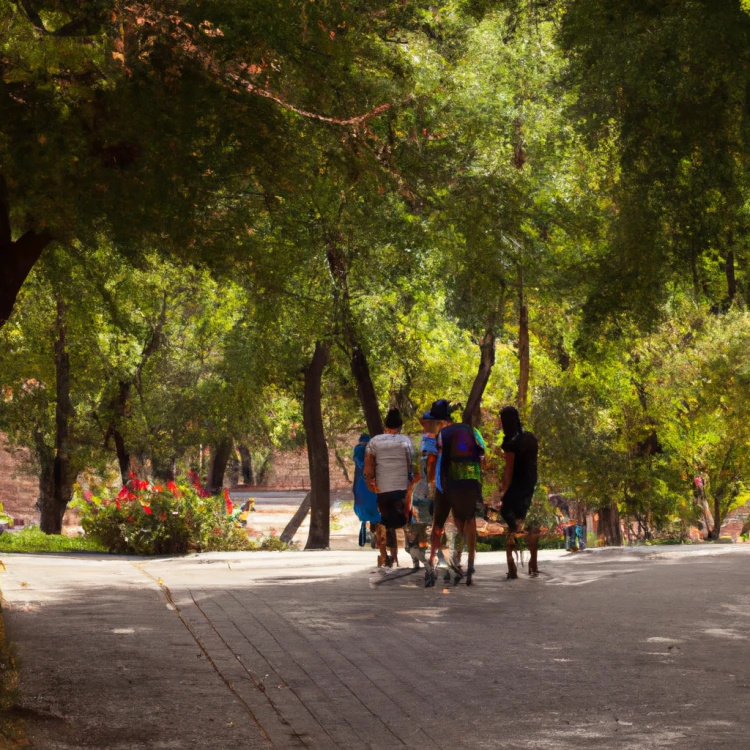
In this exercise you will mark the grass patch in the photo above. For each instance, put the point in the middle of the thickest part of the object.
(33, 539)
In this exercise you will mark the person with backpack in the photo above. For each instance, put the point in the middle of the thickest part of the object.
(519, 482)
(389, 473)
(459, 489)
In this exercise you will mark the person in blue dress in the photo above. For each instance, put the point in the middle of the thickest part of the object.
(365, 501)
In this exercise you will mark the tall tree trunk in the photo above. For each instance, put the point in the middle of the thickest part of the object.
(486, 362)
(46, 456)
(609, 525)
(317, 452)
(234, 469)
(731, 280)
(120, 407)
(365, 387)
(524, 364)
(708, 517)
(247, 465)
(120, 413)
(16, 258)
(53, 510)
(219, 459)
(262, 474)
(718, 520)
(339, 267)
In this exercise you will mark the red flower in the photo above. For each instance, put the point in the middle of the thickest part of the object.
(172, 487)
(157, 488)
(131, 519)
(123, 494)
(132, 475)
(202, 492)
(147, 510)
(228, 502)
(141, 484)
(87, 495)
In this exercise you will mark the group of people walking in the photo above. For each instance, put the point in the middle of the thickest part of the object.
(436, 495)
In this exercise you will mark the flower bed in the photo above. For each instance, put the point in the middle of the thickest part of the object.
(147, 518)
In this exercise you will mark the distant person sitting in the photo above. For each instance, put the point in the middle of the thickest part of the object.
(389, 473)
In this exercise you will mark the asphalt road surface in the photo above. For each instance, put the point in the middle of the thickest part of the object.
(642, 648)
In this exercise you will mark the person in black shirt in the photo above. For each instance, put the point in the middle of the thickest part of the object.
(519, 482)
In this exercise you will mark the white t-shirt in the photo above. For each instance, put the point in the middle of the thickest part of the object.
(393, 455)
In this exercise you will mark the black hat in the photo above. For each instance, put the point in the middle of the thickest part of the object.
(440, 410)
(393, 419)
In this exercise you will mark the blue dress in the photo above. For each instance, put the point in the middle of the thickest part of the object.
(365, 501)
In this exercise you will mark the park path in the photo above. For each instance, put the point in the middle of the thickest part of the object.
(614, 649)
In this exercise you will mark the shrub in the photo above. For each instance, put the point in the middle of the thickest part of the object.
(152, 519)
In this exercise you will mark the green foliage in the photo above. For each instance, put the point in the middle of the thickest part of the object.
(32, 540)
(230, 183)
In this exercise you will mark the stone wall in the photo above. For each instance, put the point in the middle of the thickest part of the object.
(289, 470)
(19, 489)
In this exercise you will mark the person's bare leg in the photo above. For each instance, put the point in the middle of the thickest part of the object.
(430, 575)
(392, 542)
(470, 535)
(458, 544)
(381, 544)
(435, 537)
(510, 548)
(533, 542)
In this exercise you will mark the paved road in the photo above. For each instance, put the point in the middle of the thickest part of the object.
(638, 649)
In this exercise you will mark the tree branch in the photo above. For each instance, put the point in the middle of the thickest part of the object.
(191, 47)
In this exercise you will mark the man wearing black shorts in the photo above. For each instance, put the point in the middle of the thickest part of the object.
(460, 490)
(389, 473)
(519, 482)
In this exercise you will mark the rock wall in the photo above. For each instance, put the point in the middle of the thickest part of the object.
(19, 490)
(19, 487)
(289, 469)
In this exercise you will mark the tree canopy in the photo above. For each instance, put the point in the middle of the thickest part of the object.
(245, 227)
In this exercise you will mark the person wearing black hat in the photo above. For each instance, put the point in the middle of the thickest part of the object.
(459, 489)
(389, 472)
(519, 482)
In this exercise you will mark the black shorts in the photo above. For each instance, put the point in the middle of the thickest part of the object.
(516, 504)
(392, 507)
(462, 500)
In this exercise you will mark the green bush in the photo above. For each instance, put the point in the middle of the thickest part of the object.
(151, 519)
(33, 539)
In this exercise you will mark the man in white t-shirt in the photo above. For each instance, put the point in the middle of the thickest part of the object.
(389, 472)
